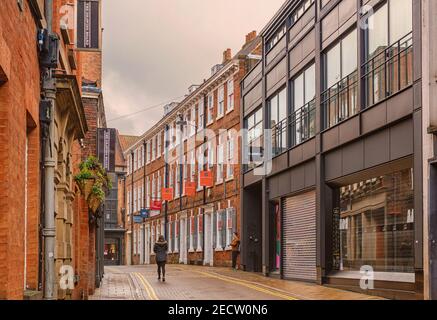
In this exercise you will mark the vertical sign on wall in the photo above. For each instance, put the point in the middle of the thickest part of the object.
(106, 148)
(88, 24)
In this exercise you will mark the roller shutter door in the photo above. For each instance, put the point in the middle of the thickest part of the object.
(299, 253)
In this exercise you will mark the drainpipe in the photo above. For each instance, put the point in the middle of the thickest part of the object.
(144, 197)
(49, 230)
(166, 173)
(132, 212)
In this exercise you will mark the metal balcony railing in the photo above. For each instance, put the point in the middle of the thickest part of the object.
(388, 71)
(302, 124)
(339, 102)
(296, 129)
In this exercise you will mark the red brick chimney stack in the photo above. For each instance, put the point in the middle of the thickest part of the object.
(251, 36)
(227, 56)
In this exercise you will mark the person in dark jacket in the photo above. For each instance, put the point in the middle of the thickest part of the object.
(160, 248)
(235, 244)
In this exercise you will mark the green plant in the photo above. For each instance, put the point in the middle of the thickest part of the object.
(93, 182)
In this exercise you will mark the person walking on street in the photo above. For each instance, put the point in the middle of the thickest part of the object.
(160, 248)
(235, 244)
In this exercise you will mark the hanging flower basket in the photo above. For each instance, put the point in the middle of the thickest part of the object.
(87, 187)
(94, 203)
(93, 182)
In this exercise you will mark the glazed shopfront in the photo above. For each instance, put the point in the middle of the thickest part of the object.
(373, 225)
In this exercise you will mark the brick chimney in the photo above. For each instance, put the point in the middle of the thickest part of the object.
(227, 56)
(251, 36)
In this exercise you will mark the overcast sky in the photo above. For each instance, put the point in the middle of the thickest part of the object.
(155, 49)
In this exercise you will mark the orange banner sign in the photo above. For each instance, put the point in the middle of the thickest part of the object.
(167, 194)
(190, 189)
(206, 179)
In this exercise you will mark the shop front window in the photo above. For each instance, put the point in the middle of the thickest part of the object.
(111, 253)
(374, 224)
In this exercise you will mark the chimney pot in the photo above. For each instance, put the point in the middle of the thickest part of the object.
(251, 36)
(227, 56)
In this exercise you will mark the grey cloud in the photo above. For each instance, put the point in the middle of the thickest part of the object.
(155, 49)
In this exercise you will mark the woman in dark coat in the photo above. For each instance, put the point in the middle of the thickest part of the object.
(160, 248)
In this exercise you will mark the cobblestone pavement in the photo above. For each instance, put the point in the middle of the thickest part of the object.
(205, 283)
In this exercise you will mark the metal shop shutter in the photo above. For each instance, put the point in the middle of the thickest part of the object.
(299, 252)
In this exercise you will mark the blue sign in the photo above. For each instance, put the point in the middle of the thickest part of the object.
(145, 213)
(138, 219)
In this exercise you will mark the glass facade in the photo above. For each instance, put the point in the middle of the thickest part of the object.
(278, 121)
(341, 84)
(389, 50)
(254, 126)
(374, 224)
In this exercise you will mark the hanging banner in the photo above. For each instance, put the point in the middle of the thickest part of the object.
(138, 219)
(156, 205)
(190, 189)
(206, 179)
(145, 213)
(106, 148)
(88, 24)
(167, 194)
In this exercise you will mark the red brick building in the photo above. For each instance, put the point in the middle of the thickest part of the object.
(19, 151)
(24, 146)
(199, 134)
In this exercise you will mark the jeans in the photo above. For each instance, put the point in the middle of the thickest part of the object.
(161, 267)
(234, 258)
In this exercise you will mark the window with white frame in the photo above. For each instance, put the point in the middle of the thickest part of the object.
(200, 163)
(158, 145)
(200, 218)
(135, 160)
(148, 152)
(153, 148)
(159, 185)
(221, 102)
(192, 122)
(195, 231)
(176, 235)
(191, 229)
(185, 174)
(210, 155)
(210, 108)
(200, 114)
(148, 192)
(135, 199)
(135, 242)
(170, 176)
(162, 224)
(230, 157)
(193, 167)
(220, 159)
(177, 179)
(128, 203)
(153, 187)
(231, 102)
(153, 236)
(220, 228)
(169, 240)
(231, 225)
(185, 126)
(140, 197)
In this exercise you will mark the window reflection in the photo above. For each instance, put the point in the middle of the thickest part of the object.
(341, 84)
(375, 224)
(389, 64)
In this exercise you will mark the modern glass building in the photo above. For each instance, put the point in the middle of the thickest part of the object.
(332, 188)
